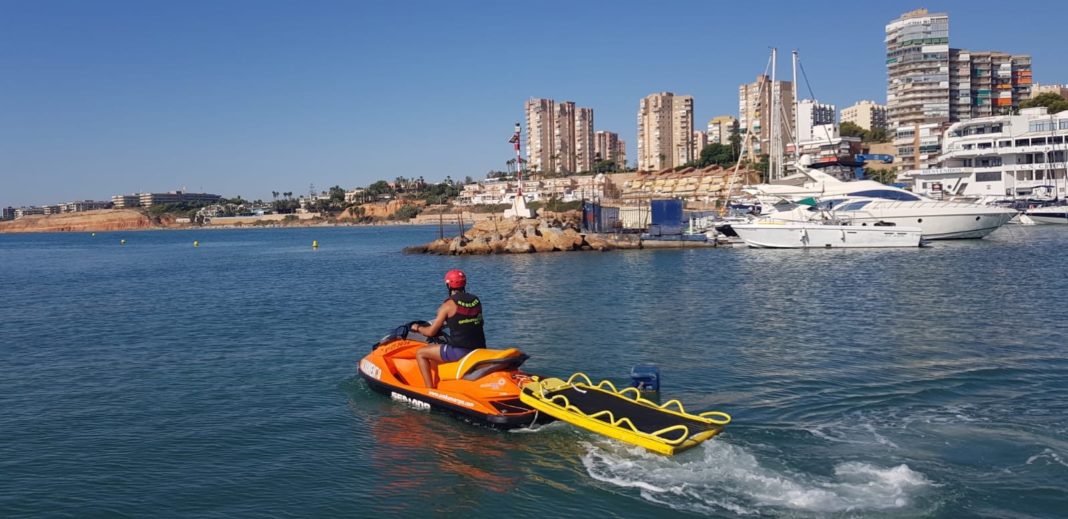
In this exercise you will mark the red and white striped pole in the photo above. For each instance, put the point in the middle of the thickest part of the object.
(518, 158)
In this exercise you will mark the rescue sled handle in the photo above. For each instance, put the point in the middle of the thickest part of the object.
(721, 418)
(622, 414)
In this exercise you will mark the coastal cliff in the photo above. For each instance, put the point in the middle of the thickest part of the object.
(509, 236)
(95, 221)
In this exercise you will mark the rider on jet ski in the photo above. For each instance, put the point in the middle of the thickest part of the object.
(462, 313)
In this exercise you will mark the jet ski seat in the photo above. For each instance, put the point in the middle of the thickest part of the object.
(481, 362)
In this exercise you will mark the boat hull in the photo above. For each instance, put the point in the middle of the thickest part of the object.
(1053, 215)
(816, 236)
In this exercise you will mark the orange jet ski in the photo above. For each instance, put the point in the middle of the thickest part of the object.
(482, 387)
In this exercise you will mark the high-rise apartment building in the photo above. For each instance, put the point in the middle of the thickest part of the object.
(540, 127)
(917, 63)
(665, 131)
(584, 145)
(812, 113)
(609, 147)
(998, 82)
(700, 140)
(866, 114)
(720, 129)
(929, 83)
(754, 113)
(564, 137)
(559, 136)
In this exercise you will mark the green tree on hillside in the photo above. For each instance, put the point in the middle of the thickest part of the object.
(716, 154)
(337, 195)
(850, 129)
(604, 166)
(1054, 102)
(735, 139)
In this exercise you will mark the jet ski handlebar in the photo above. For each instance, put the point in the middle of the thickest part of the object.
(402, 331)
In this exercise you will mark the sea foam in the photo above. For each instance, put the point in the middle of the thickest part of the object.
(728, 478)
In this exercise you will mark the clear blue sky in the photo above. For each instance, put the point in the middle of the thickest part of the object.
(242, 97)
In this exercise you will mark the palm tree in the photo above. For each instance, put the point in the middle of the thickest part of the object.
(274, 194)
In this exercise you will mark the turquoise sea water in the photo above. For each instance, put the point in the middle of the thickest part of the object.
(160, 380)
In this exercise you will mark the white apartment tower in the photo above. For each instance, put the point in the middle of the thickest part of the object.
(918, 83)
(810, 114)
(665, 131)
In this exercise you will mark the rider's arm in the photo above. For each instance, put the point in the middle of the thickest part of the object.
(439, 321)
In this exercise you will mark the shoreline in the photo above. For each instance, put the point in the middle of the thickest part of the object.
(212, 227)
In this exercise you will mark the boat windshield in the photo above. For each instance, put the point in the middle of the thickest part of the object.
(853, 206)
(827, 205)
(888, 194)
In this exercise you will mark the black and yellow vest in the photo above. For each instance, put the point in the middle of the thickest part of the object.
(465, 328)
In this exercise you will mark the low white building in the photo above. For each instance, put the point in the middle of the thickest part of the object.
(1000, 157)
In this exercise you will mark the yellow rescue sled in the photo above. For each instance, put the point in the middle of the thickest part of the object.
(622, 414)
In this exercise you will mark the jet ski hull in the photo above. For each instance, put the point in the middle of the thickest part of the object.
(484, 393)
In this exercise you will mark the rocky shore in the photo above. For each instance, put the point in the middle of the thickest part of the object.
(555, 233)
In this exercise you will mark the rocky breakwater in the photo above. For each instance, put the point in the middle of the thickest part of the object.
(511, 236)
(96, 221)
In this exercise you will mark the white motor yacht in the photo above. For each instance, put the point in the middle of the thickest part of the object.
(1049, 214)
(866, 203)
(778, 234)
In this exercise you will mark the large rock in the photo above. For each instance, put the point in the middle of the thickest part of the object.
(517, 244)
(596, 242)
(540, 244)
(557, 238)
(574, 236)
(478, 246)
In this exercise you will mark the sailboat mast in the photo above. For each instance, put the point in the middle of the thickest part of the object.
(774, 154)
(797, 123)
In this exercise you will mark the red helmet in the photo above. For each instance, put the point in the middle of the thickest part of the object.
(455, 279)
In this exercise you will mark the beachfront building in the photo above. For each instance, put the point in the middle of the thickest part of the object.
(755, 116)
(28, 211)
(126, 201)
(8, 213)
(665, 131)
(868, 115)
(720, 129)
(1000, 157)
(84, 205)
(177, 197)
